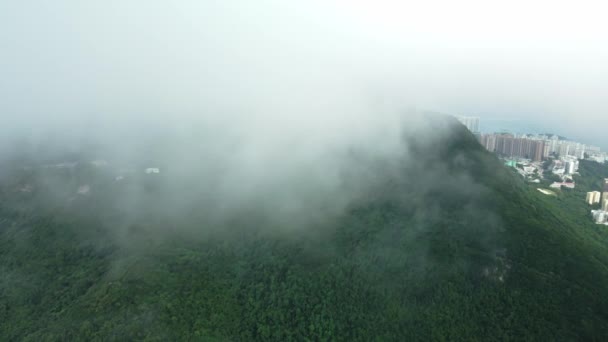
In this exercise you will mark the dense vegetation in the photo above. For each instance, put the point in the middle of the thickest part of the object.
(453, 246)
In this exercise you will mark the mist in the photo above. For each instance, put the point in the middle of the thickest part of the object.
(101, 69)
(278, 170)
(244, 101)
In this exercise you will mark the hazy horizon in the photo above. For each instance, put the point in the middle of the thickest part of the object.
(93, 69)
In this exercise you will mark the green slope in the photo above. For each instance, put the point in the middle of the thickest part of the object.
(453, 246)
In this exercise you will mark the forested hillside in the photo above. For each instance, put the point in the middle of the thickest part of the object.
(445, 244)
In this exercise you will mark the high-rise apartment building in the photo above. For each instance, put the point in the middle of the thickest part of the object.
(570, 167)
(538, 149)
(593, 197)
(563, 150)
(605, 195)
(511, 146)
(589, 198)
(535, 147)
(597, 197)
(488, 141)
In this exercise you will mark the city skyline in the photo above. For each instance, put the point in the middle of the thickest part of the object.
(522, 126)
(522, 143)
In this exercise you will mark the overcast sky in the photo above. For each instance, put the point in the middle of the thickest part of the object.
(68, 64)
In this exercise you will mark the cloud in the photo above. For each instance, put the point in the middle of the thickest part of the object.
(74, 67)
(224, 89)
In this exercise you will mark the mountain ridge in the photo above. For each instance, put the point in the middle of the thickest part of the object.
(444, 244)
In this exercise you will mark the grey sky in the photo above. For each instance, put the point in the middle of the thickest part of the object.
(315, 66)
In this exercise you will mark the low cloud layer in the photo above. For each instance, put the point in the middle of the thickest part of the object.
(273, 104)
(114, 70)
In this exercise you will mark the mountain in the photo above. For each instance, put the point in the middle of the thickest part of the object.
(441, 243)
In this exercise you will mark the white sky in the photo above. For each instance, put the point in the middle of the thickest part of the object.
(67, 63)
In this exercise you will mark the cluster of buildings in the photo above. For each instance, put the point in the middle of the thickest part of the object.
(535, 147)
(534, 170)
(530, 170)
(525, 152)
(565, 168)
(567, 165)
(562, 147)
(594, 197)
(511, 146)
(538, 146)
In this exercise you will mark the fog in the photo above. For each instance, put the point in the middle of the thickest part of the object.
(242, 96)
(98, 68)
(306, 185)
